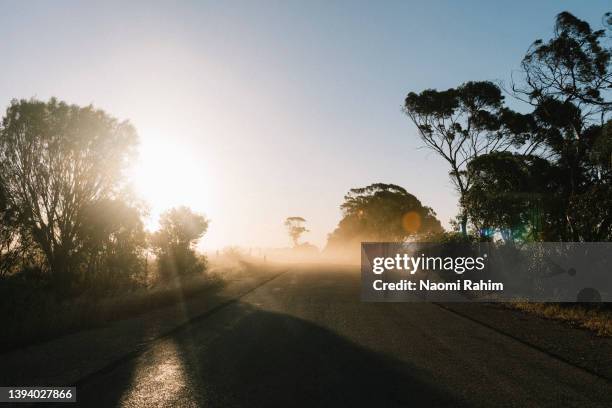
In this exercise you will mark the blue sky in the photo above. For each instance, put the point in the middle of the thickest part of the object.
(257, 110)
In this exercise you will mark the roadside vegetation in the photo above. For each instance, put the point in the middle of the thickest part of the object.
(540, 171)
(34, 314)
(597, 319)
(540, 174)
(543, 173)
(73, 248)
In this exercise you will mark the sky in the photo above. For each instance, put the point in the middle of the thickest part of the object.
(253, 111)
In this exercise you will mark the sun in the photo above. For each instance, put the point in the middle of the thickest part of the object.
(166, 175)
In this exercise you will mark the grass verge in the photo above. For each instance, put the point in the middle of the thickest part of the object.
(597, 319)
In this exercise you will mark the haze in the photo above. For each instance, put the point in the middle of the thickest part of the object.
(252, 112)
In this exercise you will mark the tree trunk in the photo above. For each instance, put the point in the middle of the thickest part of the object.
(463, 225)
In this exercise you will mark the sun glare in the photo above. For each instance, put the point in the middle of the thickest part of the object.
(166, 175)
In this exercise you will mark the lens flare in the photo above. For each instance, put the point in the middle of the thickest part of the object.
(411, 221)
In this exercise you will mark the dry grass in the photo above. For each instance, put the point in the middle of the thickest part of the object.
(595, 319)
(44, 318)
(35, 315)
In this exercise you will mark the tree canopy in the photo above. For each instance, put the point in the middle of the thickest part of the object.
(180, 229)
(382, 212)
(545, 174)
(462, 123)
(295, 228)
(56, 160)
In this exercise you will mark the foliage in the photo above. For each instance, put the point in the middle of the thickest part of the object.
(563, 192)
(462, 123)
(180, 229)
(55, 161)
(572, 67)
(114, 244)
(382, 212)
(543, 175)
(512, 190)
(15, 245)
(295, 228)
(591, 213)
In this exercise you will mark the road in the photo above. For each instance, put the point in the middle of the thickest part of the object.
(305, 339)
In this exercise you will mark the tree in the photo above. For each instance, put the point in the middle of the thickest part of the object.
(572, 67)
(382, 212)
(462, 123)
(295, 228)
(14, 243)
(513, 194)
(56, 160)
(174, 242)
(567, 82)
(546, 174)
(114, 244)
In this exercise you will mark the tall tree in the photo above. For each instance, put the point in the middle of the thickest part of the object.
(295, 228)
(572, 67)
(56, 160)
(568, 82)
(563, 189)
(462, 123)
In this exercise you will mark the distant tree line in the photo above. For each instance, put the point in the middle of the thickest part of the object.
(66, 215)
(544, 174)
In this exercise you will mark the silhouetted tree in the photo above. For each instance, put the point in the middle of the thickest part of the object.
(174, 242)
(462, 123)
(512, 194)
(295, 228)
(55, 161)
(567, 81)
(15, 244)
(555, 181)
(382, 212)
(114, 242)
(572, 67)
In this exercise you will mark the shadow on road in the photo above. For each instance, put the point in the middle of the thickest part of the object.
(247, 357)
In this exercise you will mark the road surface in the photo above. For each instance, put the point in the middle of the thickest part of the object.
(305, 339)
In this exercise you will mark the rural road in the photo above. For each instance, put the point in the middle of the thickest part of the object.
(305, 339)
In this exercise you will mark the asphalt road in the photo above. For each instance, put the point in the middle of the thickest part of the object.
(305, 339)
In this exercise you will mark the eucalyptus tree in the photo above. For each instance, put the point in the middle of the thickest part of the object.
(463, 123)
(295, 228)
(382, 212)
